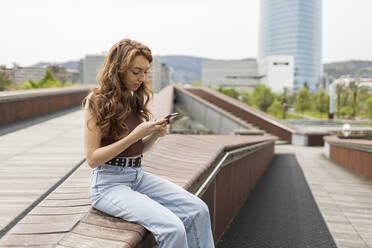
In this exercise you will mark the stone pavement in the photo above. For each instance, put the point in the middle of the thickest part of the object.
(344, 197)
(35, 158)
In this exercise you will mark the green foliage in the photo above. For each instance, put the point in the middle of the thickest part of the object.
(353, 96)
(346, 111)
(262, 97)
(286, 97)
(321, 101)
(340, 91)
(303, 100)
(368, 106)
(197, 84)
(316, 114)
(229, 92)
(276, 109)
(68, 84)
(354, 88)
(5, 82)
(246, 97)
(48, 81)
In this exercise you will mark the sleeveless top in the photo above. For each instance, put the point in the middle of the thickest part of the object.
(132, 121)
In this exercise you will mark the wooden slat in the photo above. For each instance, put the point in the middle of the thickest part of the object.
(65, 203)
(29, 240)
(74, 240)
(59, 211)
(128, 236)
(98, 218)
(41, 219)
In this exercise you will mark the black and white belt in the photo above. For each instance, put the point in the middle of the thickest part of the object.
(126, 162)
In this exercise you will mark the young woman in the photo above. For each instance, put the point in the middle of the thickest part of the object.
(118, 130)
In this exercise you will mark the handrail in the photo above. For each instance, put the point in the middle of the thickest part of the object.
(227, 159)
(16, 95)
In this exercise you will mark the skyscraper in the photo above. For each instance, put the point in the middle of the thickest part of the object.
(294, 27)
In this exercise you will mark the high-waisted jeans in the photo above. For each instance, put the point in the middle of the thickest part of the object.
(176, 218)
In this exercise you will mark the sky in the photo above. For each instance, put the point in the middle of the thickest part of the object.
(63, 30)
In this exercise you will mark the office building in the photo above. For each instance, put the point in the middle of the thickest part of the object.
(160, 75)
(275, 72)
(89, 68)
(23, 74)
(294, 28)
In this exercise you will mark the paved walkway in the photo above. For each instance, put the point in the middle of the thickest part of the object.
(343, 196)
(35, 158)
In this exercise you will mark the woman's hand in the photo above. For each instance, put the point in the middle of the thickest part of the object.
(162, 131)
(150, 127)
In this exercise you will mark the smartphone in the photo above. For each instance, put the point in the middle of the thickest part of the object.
(172, 115)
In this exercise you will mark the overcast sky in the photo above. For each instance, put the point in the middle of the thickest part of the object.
(62, 30)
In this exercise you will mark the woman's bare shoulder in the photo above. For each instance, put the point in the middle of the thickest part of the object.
(88, 99)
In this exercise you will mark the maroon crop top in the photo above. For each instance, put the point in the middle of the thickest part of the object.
(132, 121)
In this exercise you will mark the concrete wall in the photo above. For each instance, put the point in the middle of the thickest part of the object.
(209, 117)
(230, 73)
(20, 105)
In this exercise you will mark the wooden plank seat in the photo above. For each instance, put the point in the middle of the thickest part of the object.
(66, 219)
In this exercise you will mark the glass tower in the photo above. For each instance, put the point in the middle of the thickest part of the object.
(294, 27)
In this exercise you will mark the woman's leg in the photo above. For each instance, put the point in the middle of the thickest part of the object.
(193, 212)
(123, 202)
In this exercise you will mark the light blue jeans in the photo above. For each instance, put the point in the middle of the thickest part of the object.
(176, 218)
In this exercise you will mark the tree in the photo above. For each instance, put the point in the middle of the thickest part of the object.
(340, 90)
(262, 97)
(354, 88)
(276, 109)
(48, 81)
(5, 82)
(346, 111)
(229, 92)
(303, 100)
(321, 101)
(369, 107)
(284, 96)
(246, 97)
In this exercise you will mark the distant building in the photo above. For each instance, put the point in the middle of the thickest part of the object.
(59, 72)
(293, 27)
(362, 81)
(73, 75)
(8, 72)
(275, 72)
(324, 82)
(241, 74)
(89, 68)
(23, 74)
(160, 75)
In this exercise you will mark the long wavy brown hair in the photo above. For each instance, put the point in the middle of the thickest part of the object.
(112, 101)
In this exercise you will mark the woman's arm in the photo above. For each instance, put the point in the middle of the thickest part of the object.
(151, 140)
(97, 155)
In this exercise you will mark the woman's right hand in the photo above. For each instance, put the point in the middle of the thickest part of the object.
(148, 127)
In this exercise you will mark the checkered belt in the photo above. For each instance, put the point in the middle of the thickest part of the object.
(126, 162)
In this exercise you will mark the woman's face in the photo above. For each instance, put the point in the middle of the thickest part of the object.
(137, 73)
